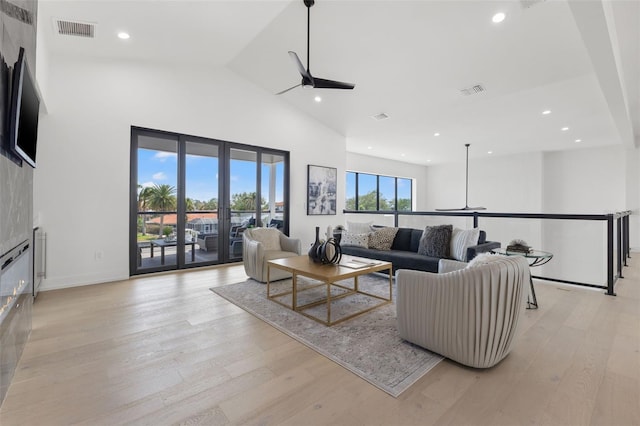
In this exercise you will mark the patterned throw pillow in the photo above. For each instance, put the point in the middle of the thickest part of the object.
(382, 238)
(436, 241)
(351, 239)
(460, 240)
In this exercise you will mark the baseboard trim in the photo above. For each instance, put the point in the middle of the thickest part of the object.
(79, 281)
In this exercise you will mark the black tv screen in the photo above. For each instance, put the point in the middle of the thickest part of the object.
(24, 110)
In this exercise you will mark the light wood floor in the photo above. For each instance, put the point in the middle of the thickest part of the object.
(165, 350)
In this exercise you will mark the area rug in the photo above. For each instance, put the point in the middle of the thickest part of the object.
(367, 345)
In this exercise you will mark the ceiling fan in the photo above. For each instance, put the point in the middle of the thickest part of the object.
(307, 79)
(466, 197)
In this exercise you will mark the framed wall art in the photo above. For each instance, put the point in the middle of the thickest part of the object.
(321, 190)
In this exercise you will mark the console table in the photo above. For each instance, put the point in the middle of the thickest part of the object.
(535, 258)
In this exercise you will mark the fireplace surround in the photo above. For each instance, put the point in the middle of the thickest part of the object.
(16, 301)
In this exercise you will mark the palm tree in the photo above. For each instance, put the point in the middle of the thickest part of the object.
(144, 194)
(162, 198)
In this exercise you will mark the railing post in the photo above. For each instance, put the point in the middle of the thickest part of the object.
(610, 278)
(625, 221)
(475, 219)
(620, 245)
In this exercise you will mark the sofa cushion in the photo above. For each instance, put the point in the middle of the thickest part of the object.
(353, 239)
(399, 258)
(460, 240)
(382, 238)
(416, 236)
(436, 241)
(402, 240)
(482, 238)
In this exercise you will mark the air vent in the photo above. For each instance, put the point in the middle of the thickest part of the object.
(75, 28)
(381, 116)
(473, 90)
(526, 4)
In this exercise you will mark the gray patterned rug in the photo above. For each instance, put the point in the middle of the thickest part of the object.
(367, 345)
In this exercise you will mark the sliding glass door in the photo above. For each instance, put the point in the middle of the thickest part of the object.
(192, 198)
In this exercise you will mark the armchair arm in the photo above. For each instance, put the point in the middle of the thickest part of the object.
(486, 247)
(253, 256)
(290, 244)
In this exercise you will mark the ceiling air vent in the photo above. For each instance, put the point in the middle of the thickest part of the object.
(75, 28)
(381, 116)
(473, 90)
(526, 4)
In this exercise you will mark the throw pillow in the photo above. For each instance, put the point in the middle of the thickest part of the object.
(359, 227)
(436, 241)
(484, 259)
(382, 238)
(351, 239)
(269, 237)
(460, 240)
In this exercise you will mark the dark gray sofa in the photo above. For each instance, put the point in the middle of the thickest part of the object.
(404, 251)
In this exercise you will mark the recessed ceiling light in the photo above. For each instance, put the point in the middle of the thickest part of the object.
(369, 147)
(124, 36)
(489, 152)
(578, 140)
(546, 112)
(428, 161)
(564, 129)
(436, 134)
(317, 99)
(402, 155)
(498, 17)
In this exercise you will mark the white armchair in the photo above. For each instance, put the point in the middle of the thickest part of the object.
(469, 315)
(262, 244)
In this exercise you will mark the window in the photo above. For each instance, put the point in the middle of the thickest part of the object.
(369, 192)
(192, 197)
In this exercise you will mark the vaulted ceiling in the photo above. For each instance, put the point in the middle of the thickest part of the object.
(409, 59)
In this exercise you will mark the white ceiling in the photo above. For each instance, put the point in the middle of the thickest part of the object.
(409, 59)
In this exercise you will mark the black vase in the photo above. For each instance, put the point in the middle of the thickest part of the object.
(313, 251)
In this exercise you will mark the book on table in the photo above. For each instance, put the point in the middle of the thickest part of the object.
(359, 263)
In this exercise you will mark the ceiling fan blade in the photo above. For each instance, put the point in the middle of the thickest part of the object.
(290, 88)
(321, 83)
(306, 75)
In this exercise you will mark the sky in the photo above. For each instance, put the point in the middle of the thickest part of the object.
(160, 167)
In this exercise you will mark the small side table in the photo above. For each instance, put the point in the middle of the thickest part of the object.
(535, 258)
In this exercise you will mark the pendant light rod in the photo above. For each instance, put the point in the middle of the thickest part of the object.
(466, 192)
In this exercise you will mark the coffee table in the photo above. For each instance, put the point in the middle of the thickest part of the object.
(328, 275)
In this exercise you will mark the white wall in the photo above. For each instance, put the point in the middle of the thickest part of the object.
(506, 184)
(81, 185)
(589, 181)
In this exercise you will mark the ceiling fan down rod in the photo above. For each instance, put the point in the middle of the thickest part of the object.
(308, 4)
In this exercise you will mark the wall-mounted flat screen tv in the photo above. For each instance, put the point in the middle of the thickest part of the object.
(23, 110)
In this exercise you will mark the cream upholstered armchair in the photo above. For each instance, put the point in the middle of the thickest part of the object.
(262, 244)
(469, 315)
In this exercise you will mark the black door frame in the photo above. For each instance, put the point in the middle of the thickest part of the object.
(224, 198)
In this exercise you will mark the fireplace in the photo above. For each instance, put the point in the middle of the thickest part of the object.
(15, 310)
